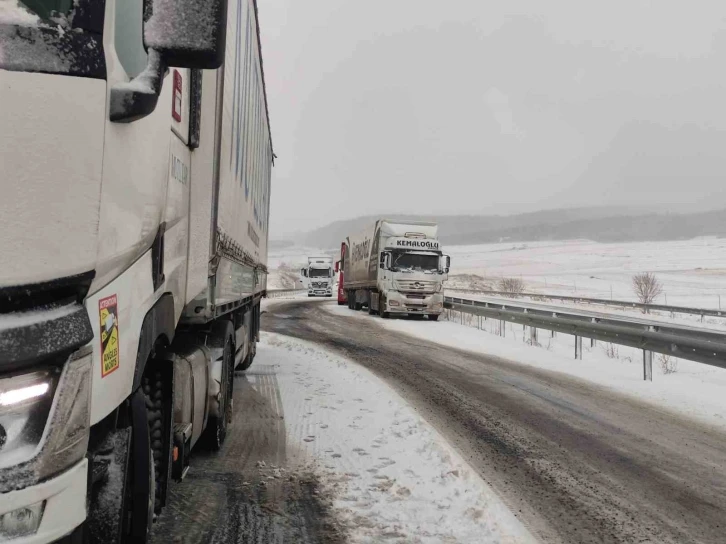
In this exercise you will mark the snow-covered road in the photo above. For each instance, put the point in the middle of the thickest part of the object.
(323, 451)
(576, 459)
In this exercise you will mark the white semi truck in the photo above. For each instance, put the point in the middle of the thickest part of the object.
(135, 162)
(319, 276)
(395, 267)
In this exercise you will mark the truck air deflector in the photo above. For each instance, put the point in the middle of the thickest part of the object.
(40, 321)
(27, 338)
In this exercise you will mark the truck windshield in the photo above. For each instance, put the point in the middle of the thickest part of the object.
(320, 272)
(418, 262)
(45, 9)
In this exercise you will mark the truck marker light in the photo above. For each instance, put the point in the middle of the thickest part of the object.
(15, 396)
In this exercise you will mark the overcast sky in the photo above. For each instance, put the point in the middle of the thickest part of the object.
(482, 106)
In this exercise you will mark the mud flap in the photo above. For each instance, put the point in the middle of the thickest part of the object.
(109, 467)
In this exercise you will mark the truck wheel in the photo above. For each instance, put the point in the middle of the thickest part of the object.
(385, 315)
(341, 302)
(244, 365)
(216, 430)
(140, 487)
(434, 317)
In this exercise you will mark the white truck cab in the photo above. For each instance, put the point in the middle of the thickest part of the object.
(319, 275)
(135, 161)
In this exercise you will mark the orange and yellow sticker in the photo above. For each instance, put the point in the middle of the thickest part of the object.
(108, 314)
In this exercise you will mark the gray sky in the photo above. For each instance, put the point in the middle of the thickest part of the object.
(480, 106)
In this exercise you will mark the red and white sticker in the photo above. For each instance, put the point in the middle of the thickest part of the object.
(176, 107)
(108, 315)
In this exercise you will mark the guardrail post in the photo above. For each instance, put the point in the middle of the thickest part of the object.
(502, 328)
(578, 347)
(533, 335)
(647, 365)
(593, 342)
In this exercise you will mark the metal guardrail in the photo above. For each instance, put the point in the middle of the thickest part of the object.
(703, 346)
(605, 302)
(281, 293)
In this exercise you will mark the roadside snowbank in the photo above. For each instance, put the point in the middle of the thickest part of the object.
(695, 390)
(392, 476)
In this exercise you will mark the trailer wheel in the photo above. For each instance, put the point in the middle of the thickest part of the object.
(371, 311)
(244, 365)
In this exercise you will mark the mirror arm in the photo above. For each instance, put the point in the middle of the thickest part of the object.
(138, 98)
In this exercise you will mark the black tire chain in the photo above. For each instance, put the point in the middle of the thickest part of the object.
(154, 393)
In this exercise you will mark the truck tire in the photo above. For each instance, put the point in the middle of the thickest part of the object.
(384, 315)
(216, 431)
(139, 501)
(244, 365)
(433, 317)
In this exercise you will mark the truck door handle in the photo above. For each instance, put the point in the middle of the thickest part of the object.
(137, 98)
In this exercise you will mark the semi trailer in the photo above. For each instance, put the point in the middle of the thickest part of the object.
(319, 275)
(395, 267)
(135, 163)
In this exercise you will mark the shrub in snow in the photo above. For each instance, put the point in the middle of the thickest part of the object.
(512, 286)
(647, 287)
(668, 364)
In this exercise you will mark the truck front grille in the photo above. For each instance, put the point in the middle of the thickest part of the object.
(416, 286)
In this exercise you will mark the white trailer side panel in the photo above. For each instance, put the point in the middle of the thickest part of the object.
(245, 162)
(202, 184)
(360, 271)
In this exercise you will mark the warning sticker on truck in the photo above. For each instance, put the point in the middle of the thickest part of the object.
(108, 313)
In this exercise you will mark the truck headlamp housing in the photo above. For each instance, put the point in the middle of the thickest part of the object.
(21, 522)
(44, 421)
(25, 402)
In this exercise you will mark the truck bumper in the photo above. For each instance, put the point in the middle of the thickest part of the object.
(400, 303)
(63, 510)
(320, 292)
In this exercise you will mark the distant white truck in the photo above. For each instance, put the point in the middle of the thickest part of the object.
(395, 267)
(319, 276)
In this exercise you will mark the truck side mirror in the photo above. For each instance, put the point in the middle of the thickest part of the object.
(304, 272)
(188, 34)
(337, 266)
(447, 264)
(383, 261)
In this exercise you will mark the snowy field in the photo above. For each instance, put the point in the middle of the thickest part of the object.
(392, 477)
(693, 272)
(692, 389)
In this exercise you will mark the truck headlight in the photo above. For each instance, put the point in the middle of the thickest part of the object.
(21, 522)
(394, 303)
(44, 421)
(25, 402)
